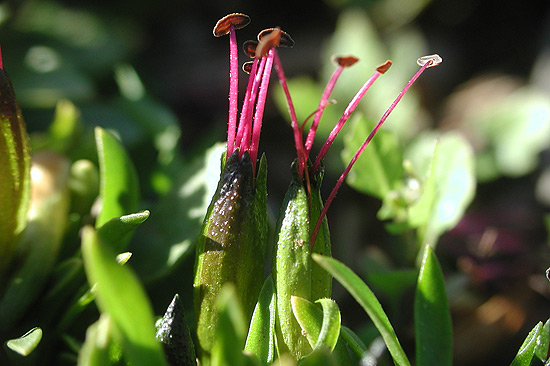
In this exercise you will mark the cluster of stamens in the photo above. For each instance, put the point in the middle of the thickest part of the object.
(245, 135)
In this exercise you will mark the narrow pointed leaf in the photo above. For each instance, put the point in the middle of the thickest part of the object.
(95, 349)
(527, 349)
(261, 334)
(353, 341)
(432, 317)
(541, 349)
(118, 230)
(119, 294)
(366, 298)
(118, 190)
(230, 330)
(27, 343)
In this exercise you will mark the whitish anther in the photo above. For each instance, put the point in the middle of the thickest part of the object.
(237, 20)
(434, 60)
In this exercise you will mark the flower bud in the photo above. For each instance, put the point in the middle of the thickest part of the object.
(232, 244)
(15, 170)
(294, 272)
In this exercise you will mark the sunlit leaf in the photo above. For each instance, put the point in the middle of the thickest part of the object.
(364, 296)
(527, 350)
(432, 317)
(446, 163)
(119, 190)
(380, 168)
(261, 334)
(27, 343)
(119, 294)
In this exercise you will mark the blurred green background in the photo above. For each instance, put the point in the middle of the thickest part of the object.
(493, 87)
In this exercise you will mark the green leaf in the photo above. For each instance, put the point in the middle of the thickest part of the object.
(319, 357)
(116, 232)
(446, 163)
(119, 294)
(520, 120)
(432, 317)
(322, 328)
(527, 350)
(95, 349)
(27, 343)
(543, 340)
(118, 190)
(353, 341)
(364, 296)
(380, 168)
(261, 334)
(230, 330)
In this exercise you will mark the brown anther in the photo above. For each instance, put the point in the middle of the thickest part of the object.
(267, 41)
(285, 41)
(247, 67)
(249, 48)
(237, 20)
(384, 67)
(346, 61)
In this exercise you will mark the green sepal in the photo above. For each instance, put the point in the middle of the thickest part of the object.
(230, 330)
(261, 333)
(232, 244)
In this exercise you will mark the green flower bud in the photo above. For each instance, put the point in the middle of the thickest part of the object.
(15, 165)
(232, 244)
(294, 272)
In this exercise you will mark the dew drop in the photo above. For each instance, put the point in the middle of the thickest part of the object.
(435, 60)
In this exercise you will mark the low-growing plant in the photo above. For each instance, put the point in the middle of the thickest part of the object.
(67, 218)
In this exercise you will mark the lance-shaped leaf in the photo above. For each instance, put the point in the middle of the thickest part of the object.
(232, 244)
(365, 297)
(432, 317)
(527, 350)
(95, 349)
(27, 343)
(261, 334)
(119, 294)
(230, 329)
(118, 190)
(15, 162)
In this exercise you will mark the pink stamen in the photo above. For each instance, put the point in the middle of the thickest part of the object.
(258, 116)
(361, 149)
(245, 126)
(293, 119)
(1, 62)
(247, 104)
(349, 110)
(233, 90)
(322, 104)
